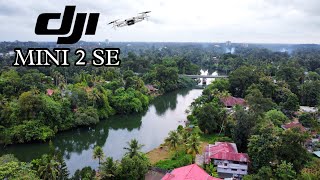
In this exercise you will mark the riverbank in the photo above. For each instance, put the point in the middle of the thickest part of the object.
(163, 152)
(150, 128)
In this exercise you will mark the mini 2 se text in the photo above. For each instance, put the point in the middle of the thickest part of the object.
(59, 57)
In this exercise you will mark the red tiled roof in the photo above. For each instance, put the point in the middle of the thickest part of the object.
(224, 151)
(294, 124)
(49, 92)
(191, 172)
(232, 101)
(239, 157)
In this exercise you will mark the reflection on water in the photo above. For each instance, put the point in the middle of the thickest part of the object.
(164, 114)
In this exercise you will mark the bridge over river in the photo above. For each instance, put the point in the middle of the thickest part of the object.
(203, 76)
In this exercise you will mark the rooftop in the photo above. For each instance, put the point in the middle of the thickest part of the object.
(224, 151)
(232, 101)
(190, 172)
(294, 124)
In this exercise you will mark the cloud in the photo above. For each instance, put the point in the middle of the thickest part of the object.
(280, 21)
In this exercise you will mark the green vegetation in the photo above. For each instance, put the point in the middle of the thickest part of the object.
(272, 98)
(36, 103)
(178, 159)
(98, 153)
(134, 165)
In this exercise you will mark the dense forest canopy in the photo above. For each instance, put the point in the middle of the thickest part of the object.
(275, 80)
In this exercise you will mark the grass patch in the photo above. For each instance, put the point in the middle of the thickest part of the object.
(178, 159)
(157, 154)
(212, 138)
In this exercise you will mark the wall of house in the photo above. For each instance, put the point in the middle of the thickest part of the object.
(231, 167)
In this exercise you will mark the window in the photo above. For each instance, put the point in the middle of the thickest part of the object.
(225, 164)
(233, 169)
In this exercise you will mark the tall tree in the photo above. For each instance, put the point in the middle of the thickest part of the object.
(133, 148)
(98, 154)
(245, 121)
(49, 170)
(193, 144)
(174, 139)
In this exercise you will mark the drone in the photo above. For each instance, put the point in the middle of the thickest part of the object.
(131, 21)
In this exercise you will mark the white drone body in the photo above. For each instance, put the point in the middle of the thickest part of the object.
(131, 21)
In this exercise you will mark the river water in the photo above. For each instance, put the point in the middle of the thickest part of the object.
(150, 128)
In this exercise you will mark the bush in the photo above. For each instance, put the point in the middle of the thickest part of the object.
(179, 159)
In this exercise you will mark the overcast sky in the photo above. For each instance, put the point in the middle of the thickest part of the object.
(261, 21)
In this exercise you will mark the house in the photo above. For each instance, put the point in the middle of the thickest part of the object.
(228, 161)
(294, 124)
(231, 101)
(308, 109)
(189, 172)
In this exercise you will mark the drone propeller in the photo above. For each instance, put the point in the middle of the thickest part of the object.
(113, 21)
(145, 12)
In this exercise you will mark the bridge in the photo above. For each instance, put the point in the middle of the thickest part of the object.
(202, 76)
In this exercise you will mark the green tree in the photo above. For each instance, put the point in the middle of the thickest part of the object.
(262, 148)
(242, 78)
(134, 168)
(257, 103)
(49, 170)
(291, 74)
(211, 117)
(290, 104)
(310, 93)
(133, 148)
(277, 117)
(245, 121)
(109, 169)
(291, 148)
(285, 171)
(174, 139)
(193, 145)
(86, 173)
(98, 154)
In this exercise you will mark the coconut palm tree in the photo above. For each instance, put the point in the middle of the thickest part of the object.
(134, 148)
(193, 144)
(185, 136)
(174, 139)
(49, 170)
(98, 154)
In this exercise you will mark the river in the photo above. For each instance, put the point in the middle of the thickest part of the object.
(150, 128)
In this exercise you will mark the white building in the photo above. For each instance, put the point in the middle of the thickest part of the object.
(228, 161)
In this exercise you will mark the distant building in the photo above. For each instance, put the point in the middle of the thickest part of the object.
(308, 109)
(11, 53)
(231, 101)
(228, 161)
(245, 45)
(1, 55)
(228, 43)
(294, 124)
(191, 172)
